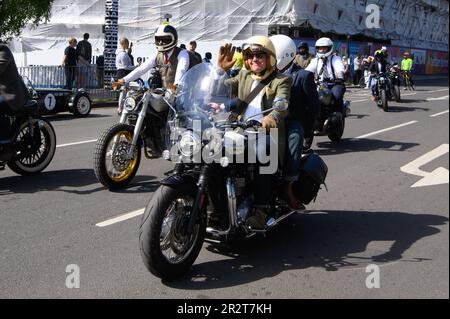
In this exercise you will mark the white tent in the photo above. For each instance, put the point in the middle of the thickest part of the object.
(419, 23)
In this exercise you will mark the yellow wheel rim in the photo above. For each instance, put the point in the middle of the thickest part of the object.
(117, 166)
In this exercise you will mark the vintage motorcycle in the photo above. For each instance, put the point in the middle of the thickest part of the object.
(382, 90)
(141, 126)
(394, 82)
(33, 143)
(330, 121)
(209, 192)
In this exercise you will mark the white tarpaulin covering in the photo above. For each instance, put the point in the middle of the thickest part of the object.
(421, 24)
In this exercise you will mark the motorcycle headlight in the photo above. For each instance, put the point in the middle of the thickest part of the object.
(189, 144)
(130, 104)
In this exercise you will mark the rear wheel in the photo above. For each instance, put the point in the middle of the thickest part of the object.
(336, 135)
(397, 93)
(113, 168)
(34, 153)
(167, 250)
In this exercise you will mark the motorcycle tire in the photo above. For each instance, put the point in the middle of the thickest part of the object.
(41, 158)
(336, 136)
(384, 101)
(397, 93)
(150, 233)
(125, 169)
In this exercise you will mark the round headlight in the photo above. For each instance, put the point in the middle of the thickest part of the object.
(130, 104)
(189, 144)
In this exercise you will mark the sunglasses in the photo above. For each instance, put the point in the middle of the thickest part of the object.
(257, 55)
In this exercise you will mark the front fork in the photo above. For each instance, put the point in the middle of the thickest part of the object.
(200, 198)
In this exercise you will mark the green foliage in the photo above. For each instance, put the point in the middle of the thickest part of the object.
(16, 14)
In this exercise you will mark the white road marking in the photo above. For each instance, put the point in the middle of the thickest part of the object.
(385, 130)
(121, 218)
(439, 176)
(437, 98)
(437, 114)
(76, 143)
(437, 90)
(407, 94)
(359, 101)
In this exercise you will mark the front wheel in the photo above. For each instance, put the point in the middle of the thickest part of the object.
(397, 93)
(167, 250)
(34, 151)
(112, 165)
(384, 101)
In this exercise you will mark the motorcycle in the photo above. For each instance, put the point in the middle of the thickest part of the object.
(330, 122)
(393, 76)
(141, 126)
(381, 90)
(211, 195)
(32, 145)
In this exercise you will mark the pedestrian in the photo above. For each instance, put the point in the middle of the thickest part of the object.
(207, 58)
(239, 62)
(303, 57)
(357, 68)
(124, 65)
(346, 68)
(69, 63)
(192, 47)
(84, 51)
(100, 65)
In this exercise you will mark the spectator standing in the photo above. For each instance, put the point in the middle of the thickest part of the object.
(100, 63)
(192, 47)
(239, 62)
(357, 67)
(84, 51)
(124, 65)
(346, 68)
(207, 58)
(70, 63)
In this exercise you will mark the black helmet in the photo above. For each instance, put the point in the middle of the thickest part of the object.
(303, 44)
(166, 37)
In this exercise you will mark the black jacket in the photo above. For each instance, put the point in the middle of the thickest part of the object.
(375, 68)
(304, 104)
(12, 88)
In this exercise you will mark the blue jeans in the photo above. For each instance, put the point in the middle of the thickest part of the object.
(373, 87)
(295, 135)
(262, 183)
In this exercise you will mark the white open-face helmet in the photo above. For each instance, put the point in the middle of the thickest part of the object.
(324, 42)
(285, 50)
(166, 37)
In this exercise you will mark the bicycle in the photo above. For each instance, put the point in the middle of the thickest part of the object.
(409, 85)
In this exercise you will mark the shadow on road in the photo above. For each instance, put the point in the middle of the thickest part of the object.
(360, 145)
(76, 181)
(331, 240)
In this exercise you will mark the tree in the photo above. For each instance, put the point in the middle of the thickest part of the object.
(16, 14)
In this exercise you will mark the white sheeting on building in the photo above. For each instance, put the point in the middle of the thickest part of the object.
(421, 24)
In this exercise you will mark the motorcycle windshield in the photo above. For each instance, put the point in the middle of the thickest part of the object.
(201, 85)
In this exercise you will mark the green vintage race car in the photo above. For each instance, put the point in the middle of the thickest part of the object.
(55, 100)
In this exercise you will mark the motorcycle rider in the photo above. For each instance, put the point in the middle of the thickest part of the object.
(406, 66)
(13, 96)
(303, 58)
(171, 61)
(260, 67)
(378, 65)
(304, 106)
(329, 69)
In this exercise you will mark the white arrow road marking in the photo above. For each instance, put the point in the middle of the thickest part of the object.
(439, 176)
(437, 98)
(121, 218)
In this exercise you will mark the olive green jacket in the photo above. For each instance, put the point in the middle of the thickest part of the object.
(279, 86)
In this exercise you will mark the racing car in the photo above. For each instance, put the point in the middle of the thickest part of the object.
(55, 100)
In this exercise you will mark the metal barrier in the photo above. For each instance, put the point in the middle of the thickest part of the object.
(88, 77)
